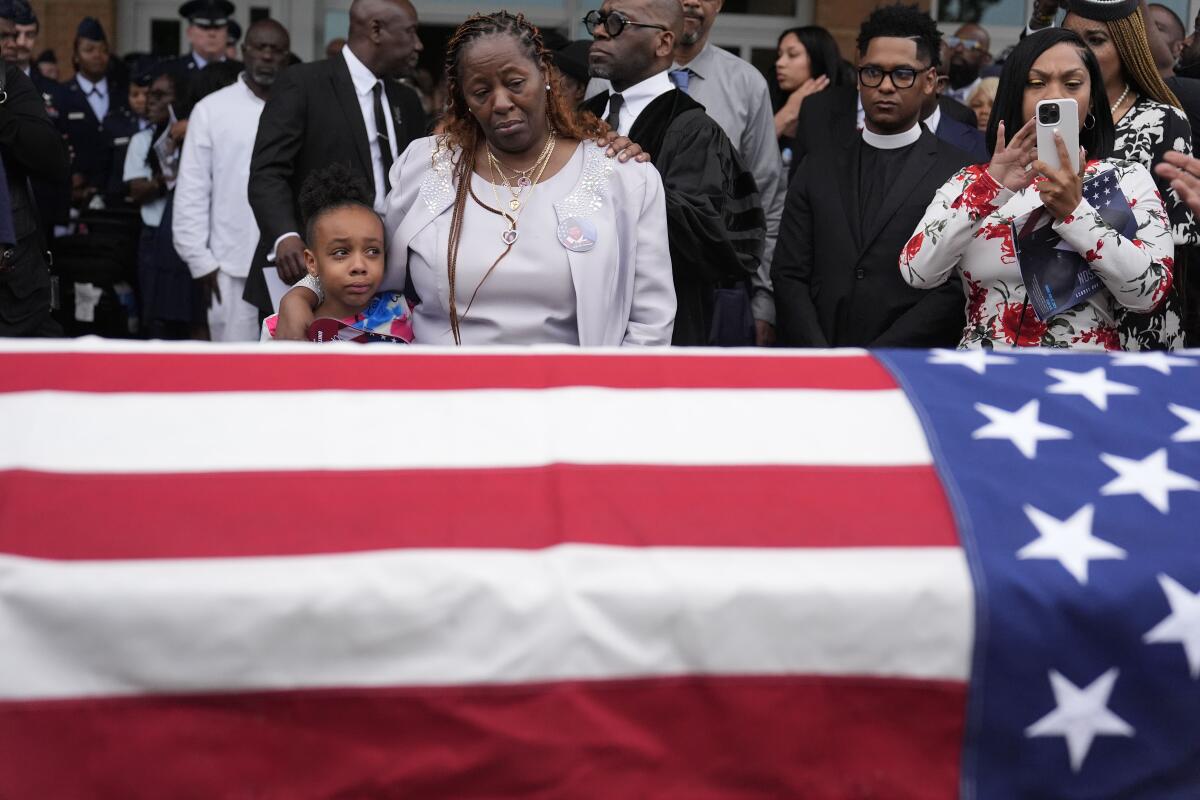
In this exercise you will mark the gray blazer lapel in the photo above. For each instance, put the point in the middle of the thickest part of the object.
(591, 281)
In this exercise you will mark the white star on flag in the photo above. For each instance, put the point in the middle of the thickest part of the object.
(1093, 385)
(1182, 625)
(1157, 361)
(1081, 715)
(1191, 432)
(975, 360)
(1069, 542)
(1021, 427)
(1150, 477)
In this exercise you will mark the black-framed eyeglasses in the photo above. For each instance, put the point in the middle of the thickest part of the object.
(902, 77)
(614, 22)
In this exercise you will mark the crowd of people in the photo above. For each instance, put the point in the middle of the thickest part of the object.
(643, 187)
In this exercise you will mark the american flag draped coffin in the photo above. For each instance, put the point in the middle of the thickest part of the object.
(367, 572)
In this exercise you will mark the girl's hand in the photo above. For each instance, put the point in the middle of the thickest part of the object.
(1062, 188)
(622, 148)
(1010, 162)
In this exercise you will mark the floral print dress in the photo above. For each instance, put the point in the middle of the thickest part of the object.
(1147, 131)
(967, 228)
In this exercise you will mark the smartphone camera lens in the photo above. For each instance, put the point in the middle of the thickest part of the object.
(1048, 114)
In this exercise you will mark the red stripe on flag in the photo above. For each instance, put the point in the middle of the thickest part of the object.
(700, 737)
(190, 372)
(67, 516)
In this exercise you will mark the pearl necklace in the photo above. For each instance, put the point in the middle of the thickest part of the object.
(1120, 100)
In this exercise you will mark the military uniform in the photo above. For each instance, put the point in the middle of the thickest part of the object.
(91, 139)
(204, 14)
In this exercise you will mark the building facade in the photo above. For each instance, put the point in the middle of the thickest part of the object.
(748, 27)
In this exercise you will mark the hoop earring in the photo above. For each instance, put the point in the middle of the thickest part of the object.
(1089, 121)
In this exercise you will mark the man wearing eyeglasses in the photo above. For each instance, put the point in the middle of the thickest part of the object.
(714, 219)
(855, 202)
(969, 54)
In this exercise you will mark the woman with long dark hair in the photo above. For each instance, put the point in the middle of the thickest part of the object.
(1149, 122)
(968, 228)
(808, 62)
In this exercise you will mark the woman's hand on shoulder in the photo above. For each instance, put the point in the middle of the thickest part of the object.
(622, 148)
(1011, 160)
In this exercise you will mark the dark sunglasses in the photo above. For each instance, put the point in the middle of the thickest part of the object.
(967, 44)
(902, 77)
(614, 22)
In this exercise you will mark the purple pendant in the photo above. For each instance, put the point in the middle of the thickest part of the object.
(524, 182)
(508, 236)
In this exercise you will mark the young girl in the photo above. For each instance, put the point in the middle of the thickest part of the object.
(345, 251)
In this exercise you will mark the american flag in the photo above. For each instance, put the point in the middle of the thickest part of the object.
(357, 572)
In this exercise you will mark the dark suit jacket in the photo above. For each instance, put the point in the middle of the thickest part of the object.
(91, 142)
(311, 120)
(956, 110)
(970, 140)
(31, 149)
(715, 222)
(837, 280)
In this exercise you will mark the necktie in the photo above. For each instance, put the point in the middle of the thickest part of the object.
(614, 111)
(681, 78)
(381, 135)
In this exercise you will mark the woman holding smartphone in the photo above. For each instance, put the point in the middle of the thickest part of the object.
(968, 227)
(1149, 121)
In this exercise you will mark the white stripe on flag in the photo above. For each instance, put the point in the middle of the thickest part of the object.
(450, 617)
(286, 430)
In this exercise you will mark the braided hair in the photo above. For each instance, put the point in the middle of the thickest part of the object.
(464, 132)
(1129, 36)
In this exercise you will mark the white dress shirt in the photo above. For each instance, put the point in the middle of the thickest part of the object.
(637, 97)
(96, 94)
(364, 84)
(214, 226)
(934, 119)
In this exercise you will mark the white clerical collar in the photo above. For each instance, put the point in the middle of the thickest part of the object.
(893, 141)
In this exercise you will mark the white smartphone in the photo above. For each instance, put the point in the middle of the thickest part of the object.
(1062, 116)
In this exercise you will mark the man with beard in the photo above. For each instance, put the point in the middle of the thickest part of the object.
(213, 227)
(348, 108)
(714, 219)
(970, 52)
(736, 96)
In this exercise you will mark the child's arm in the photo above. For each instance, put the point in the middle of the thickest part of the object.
(296, 313)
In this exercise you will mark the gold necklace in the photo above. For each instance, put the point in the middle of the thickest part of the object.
(523, 181)
(509, 234)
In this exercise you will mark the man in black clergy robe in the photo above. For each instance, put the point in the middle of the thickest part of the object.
(854, 204)
(715, 222)
(348, 108)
